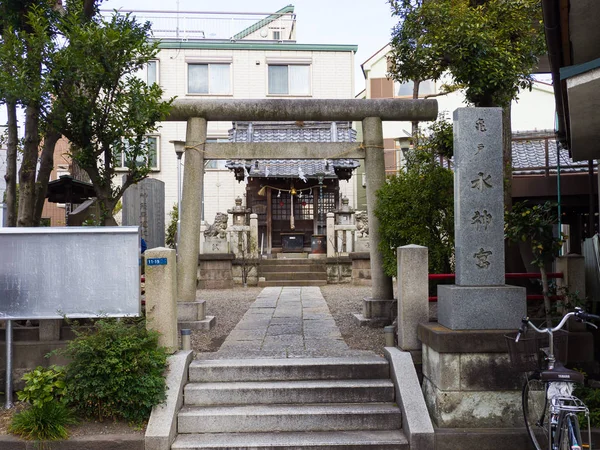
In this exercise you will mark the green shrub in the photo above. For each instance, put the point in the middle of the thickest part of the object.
(591, 397)
(43, 386)
(116, 370)
(171, 237)
(47, 422)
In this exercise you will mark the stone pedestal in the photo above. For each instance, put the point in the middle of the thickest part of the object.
(212, 246)
(361, 268)
(362, 245)
(192, 315)
(481, 307)
(215, 271)
(377, 313)
(467, 379)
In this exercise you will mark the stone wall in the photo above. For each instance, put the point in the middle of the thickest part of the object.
(339, 270)
(467, 379)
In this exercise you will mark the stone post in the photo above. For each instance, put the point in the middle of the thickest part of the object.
(413, 294)
(480, 299)
(382, 287)
(330, 235)
(573, 270)
(161, 295)
(193, 180)
(254, 235)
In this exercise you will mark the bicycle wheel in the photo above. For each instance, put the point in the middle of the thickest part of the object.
(535, 412)
(569, 436)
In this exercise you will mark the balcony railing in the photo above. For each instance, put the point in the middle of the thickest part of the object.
(185, 25)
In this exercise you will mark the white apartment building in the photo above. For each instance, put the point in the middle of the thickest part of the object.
(213, 55)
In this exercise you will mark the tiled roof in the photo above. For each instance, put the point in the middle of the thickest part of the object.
(293, 132)
(529, 155)
(293, 168)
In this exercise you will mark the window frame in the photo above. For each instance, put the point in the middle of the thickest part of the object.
(421, 94)
(123, 168)
(208, 64)
(288, 64)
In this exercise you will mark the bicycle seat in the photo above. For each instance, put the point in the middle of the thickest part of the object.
(561, 373)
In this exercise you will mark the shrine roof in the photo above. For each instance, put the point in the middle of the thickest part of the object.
(529, 154)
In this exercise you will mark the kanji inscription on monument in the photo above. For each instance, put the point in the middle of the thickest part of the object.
(479, 299)
(478, 194)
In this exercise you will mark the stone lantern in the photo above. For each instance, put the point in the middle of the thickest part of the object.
(240, 214)
(345, 215)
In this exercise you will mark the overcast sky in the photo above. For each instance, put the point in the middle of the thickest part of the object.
(365, 23)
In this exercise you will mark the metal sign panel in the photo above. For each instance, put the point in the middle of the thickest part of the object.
(76, 272)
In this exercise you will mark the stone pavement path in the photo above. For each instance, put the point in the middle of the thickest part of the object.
(285, 322)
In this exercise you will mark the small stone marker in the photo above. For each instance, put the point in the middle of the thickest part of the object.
(480, 299)
(161, 295)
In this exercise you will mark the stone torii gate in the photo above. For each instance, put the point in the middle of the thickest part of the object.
(197, 112)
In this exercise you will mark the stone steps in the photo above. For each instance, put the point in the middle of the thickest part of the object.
(341, 440)
(296, 283)
(303, 403)
(293, 276)
(275, 418)
(289, 392)
(292, 272)
(289, 369)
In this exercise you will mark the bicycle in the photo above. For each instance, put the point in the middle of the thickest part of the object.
(550, 409)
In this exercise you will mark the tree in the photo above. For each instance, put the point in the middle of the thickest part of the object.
(535, 225)
(25, 46)
(489, 48)
(73, 73)
(417, 205)
(108, 111)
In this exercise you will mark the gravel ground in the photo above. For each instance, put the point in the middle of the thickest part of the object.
(229, 305)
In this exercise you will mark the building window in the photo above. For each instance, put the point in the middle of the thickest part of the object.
(150, 158)
(212, 79)
(289, 79)
(149, 73)
(426, 87)
(276, 35)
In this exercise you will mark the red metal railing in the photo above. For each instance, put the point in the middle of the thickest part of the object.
(551, 275)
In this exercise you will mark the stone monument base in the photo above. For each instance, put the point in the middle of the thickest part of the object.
(361, 268)
(467, 378)
(481, 307)
(377, 312)
(215, 271)
(191, 315)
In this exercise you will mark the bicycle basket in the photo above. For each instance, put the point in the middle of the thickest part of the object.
(527, 355)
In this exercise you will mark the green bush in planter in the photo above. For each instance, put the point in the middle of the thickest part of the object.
(116, 370)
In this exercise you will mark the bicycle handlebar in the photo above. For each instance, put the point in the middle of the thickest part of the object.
(578, 313)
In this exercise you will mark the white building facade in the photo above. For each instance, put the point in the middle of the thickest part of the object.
(262, 60)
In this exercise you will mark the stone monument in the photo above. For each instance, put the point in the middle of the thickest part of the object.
(144, 206)
(479, 299)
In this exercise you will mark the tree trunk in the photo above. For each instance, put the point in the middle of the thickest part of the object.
(28, 168)
(547, 305)
(11, 164)
(46, 165)
(507, 156)
(415, 124)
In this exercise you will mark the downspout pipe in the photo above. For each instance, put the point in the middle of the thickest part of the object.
(553, 43)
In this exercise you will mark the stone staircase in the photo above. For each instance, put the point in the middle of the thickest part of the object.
(292, 272)
(303, 403)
